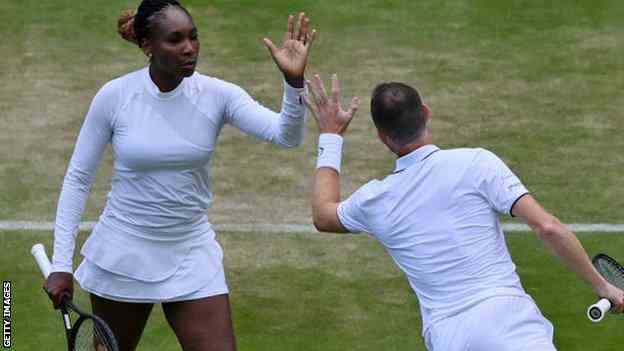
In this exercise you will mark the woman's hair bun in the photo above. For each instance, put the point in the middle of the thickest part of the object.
(125, 26)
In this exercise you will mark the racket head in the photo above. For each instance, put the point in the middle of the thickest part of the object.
(610, 269)
(90, 333)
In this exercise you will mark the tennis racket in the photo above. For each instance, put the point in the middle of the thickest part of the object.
(613, 272)
(88, 332)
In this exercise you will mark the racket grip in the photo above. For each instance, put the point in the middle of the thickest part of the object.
(38, 251)
(597, 311)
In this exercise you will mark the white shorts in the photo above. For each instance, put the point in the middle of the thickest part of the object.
(502, 323)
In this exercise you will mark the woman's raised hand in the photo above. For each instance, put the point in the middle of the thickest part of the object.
(292, 56)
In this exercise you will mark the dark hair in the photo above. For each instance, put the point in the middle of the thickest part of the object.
(397, 111)
(134, 26)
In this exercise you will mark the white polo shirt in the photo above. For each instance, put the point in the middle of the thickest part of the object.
(436, 215)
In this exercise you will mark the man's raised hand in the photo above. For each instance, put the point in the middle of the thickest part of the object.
(327, 111)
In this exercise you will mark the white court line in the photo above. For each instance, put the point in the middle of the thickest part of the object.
(303, 228)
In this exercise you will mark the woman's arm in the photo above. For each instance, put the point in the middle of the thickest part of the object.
(286, 128)
(95, 133)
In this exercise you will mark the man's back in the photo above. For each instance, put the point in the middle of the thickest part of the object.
(437, 217)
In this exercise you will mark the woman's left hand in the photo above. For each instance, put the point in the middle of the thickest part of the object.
(292, 56)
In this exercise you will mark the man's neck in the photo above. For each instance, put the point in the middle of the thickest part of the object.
(420, 142)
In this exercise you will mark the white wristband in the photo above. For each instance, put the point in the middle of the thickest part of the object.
(329, 151)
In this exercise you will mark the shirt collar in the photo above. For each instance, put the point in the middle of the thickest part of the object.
(415, 156)
(153, 89)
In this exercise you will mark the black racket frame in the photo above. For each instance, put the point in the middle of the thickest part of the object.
(71, 329)
(612, 261)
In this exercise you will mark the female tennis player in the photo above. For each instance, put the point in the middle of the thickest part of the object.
(153, 242)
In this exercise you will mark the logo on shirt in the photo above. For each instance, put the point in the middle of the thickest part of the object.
(320, 151)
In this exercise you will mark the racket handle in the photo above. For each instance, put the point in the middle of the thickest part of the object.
(597, 311)
(38, 251)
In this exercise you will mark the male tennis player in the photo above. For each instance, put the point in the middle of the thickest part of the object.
(436, 215)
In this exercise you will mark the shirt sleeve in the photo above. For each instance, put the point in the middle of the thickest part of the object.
(95, 134)
(352, 212)
(497, 183)
(285, 128)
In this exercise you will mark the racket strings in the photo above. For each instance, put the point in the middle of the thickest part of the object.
(612, 272)
(91, 337)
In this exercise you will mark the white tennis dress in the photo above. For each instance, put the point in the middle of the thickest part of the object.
(153, 241)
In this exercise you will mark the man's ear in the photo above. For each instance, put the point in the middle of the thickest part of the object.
(426, 112)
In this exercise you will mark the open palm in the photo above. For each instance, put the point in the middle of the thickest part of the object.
(328, 112)
(291, 58)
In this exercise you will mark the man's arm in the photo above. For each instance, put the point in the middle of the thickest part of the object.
(325, 200)
(332, 122)
(563, 243)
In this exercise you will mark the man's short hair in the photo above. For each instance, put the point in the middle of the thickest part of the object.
(397, 112)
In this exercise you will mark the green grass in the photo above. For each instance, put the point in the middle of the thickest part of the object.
(539, 83)
(322, 292)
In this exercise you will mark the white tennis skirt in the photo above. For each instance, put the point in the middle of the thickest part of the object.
(181, 286)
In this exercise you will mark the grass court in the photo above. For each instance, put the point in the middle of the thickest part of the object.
(539, 83)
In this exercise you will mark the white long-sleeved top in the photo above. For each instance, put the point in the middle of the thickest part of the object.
(162, 145)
